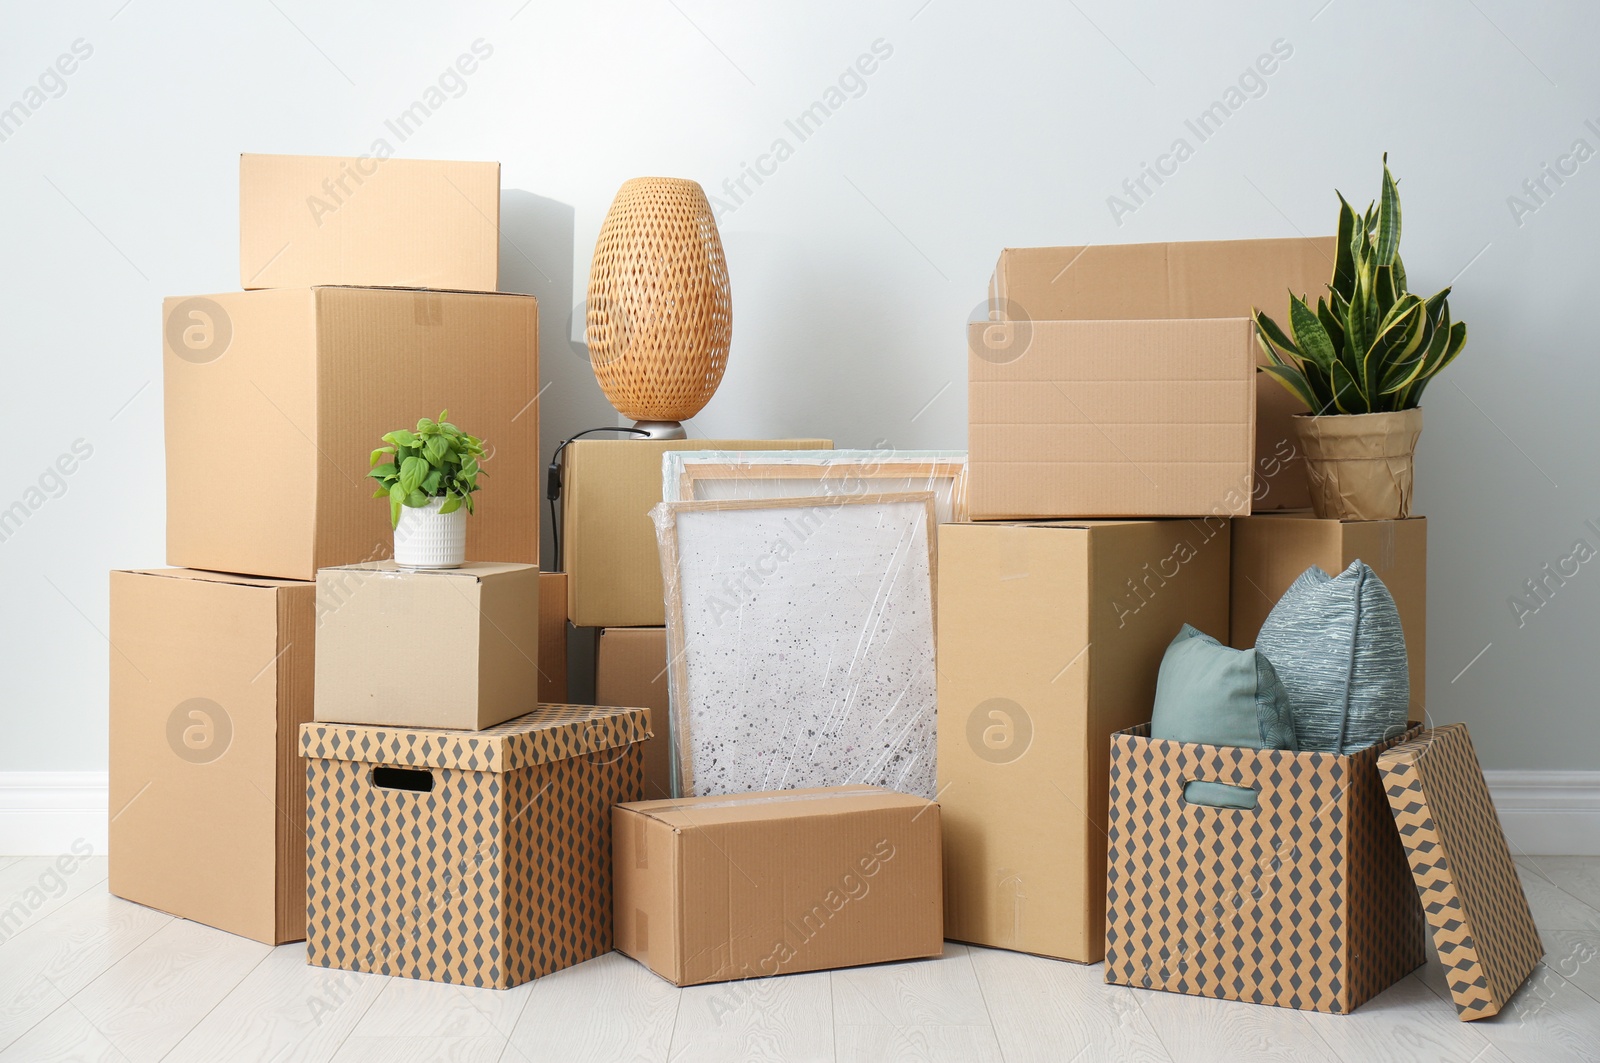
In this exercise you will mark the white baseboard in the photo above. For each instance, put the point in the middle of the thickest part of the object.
(1545, 813)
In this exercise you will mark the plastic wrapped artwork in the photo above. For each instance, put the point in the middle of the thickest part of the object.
(706, 475)
(800, 639)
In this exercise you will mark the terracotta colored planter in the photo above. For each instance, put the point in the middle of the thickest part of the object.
(1359, 465)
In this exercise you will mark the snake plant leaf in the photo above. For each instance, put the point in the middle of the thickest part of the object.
(1294, 382)
(1388, 218)
(1314, 341)
(1347, 394)
(1399, 272)
(1330, 323)
(1277, 346)
(1344, 267)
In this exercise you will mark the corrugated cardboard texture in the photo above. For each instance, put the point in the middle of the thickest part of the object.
(1301, 902)
(408, 223)
(552, 637)
(719, 888)
(608, 542)
(1050, 636)
(210, 681)
(486, 879)
(631, 669)
(477, 626)
(1465, 876)
(317, 376)
(1271, 551)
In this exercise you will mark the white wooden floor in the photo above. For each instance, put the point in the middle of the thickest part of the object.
(84, 976)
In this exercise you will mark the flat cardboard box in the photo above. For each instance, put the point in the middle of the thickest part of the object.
(1050, 635)
(481, 858)
(711, 889)
(211, 678)
(631, 669)
(1119, 381)
(306, 220)
(608, 542)
(553, 638)
(276, 399)
(470, 635)
(1270, 551)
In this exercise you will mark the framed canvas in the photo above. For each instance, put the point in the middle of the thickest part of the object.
(710, 475)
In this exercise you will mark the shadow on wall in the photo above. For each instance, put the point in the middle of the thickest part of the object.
(536, 255)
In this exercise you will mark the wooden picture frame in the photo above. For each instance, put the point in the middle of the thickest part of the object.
(713, 475)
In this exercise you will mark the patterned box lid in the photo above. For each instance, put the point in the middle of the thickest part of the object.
(1463, 868)
(549, 732)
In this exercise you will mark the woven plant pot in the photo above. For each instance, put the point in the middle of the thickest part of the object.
(659, 317)
(1359, 465)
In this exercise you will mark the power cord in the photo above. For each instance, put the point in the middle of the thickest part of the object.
(552, 486)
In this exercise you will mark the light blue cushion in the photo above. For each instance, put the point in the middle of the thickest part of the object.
(1337, 645)
(1211, 693)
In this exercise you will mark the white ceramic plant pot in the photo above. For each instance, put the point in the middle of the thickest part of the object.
(426, 538)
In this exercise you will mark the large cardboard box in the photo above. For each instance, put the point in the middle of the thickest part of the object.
(710, 889)
(1305, 901)
(449, 647)
(553, 638)
(631, 669)
(1050, 635)
(276, 399)
(1119, 381)
(607, 541)
(481, 858)
(1270, 551)
(211, 678)
(380, 222)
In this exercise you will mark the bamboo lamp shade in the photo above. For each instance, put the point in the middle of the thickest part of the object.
(659, 315)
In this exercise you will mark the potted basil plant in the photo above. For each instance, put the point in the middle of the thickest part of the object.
(1360, 362)
(429, 476)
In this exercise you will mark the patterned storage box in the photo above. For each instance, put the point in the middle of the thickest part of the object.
(1305, 901)
(476, 857)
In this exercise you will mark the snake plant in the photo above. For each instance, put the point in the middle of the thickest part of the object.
(1370, 346)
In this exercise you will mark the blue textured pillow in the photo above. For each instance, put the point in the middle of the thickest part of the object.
(1338, 647)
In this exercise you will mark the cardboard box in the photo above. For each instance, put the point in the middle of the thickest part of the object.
(1304, 901)
(711, 889)
(1119, 381)
(449, 647)
(1270, 552)
(276, 399)
(1050, 635)
(607, 541)
(631, 669)
(553, 638)
(406, 223)
(480, 858)
(211, 678)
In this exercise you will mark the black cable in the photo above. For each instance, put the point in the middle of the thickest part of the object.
(552, 489)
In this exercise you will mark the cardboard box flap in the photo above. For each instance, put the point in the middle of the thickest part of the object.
(476, 571)
(548, 733)
(775, 805)
(1462, 865)
(235, 578)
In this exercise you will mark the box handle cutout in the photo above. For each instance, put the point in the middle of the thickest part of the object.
(1221, 795)
(413, 780)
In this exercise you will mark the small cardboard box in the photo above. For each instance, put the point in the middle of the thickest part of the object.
(1304, 901)
(1119, 381)
(607, 541)
(553, 638)
(474, 628)
(481, 858)
(1050, 635)
(711, 889)
(631, 669)
(210, 682)
(309, 380)
(1270, 551)
(379, 222)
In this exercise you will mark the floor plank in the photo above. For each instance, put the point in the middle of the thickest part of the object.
(787, 1018)
(1550, 1020)
(64, 1035)
(608, 1010)
(32, 887)
(1577, 876)
(939, 992)
(1404, 1024)
(1553, 907)
(1205, 1030)
(476, 1023)
(916, 1044)
(1048, 1012)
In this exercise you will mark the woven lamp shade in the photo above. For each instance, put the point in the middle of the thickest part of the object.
(659, 317)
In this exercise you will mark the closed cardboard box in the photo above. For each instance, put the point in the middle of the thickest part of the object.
(1050, 635)
(607, 540)
(451, 647)
(710, 889)
(211, 678)
(276, 399)
(403, 223)
(553, 638)
(631, 669)
(1119, 381)
(1271, 551)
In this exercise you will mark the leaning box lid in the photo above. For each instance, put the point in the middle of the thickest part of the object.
(1463, 868)
(549, 732)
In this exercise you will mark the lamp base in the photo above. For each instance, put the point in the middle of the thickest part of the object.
(661, 430)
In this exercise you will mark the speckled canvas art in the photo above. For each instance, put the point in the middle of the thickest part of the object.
(801, 633)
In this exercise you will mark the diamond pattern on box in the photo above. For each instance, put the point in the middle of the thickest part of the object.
(487, 878)
(1301, 902)
(1462, 868)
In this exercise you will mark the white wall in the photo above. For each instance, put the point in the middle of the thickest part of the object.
(854, 266)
